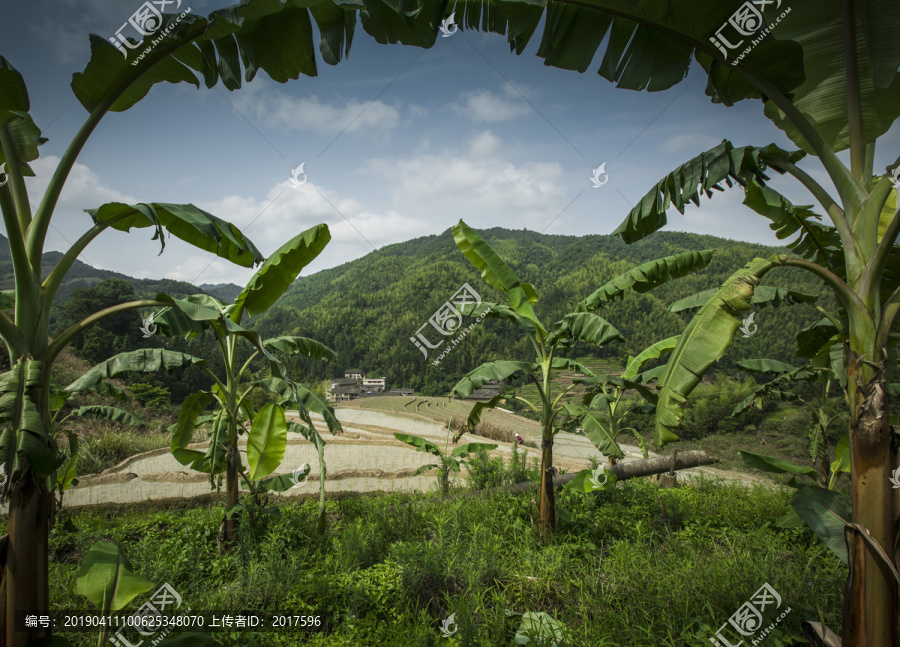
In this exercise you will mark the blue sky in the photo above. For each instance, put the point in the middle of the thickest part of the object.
(397, 142)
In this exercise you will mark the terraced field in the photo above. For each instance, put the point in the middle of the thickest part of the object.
(365, 457)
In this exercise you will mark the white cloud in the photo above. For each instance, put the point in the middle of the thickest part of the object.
(83, 188)
(478, 184)
(485, 106)
(484, 144)
(265, 104)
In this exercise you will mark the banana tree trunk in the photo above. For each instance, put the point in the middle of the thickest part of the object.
(547, 521)
(25, 584)
(872, 603)
(231, 497)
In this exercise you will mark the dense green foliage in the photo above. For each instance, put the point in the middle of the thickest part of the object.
(389, 576)
(367, 310)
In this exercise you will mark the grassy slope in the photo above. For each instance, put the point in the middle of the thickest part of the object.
(636, 566)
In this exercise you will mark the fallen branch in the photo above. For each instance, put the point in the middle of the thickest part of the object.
(623, 472)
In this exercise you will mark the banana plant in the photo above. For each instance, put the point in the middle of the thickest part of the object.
(582, 325)
(603, 413)
(448, 461)
(268, 427)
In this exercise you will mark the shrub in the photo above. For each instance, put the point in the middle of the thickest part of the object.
(153, 396)
(485, 472)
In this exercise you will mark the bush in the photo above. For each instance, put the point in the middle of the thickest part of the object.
(485, 472)
(153, 396)
(517, 469)
(709, 408)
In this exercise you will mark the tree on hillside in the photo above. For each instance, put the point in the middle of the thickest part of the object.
(113, 334)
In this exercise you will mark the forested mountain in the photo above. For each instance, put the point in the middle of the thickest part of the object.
(82, 275)
(367, 309)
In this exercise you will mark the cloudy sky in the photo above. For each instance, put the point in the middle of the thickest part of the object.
(397, 142)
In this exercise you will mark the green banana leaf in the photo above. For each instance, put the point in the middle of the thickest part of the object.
(185, 221)
(420, 444)
(586, 327)
(597, 429)
(267, 441)
(113, 414)
(183, 429)
(145, 360)
(654, 351)
(705, 340)
(499, 370)
(763, 295)
(106, 578)
(723, 163)
(475, 413)
(827, 513)
(463, 451)
(646, 276)
(769, 464)
(496, 273)
(301, 346)
(279, 271)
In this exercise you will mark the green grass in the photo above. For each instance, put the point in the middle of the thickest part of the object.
(106, 445)
(636, 566)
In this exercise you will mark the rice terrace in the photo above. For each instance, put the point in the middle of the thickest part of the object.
(561, 323)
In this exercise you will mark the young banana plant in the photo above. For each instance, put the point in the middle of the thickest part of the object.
(582, 325)
(448, 461)
(268, 427)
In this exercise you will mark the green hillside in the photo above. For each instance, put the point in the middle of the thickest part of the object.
(82, 275)
(368, 309)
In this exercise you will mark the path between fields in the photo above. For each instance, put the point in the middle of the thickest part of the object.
(364, 458)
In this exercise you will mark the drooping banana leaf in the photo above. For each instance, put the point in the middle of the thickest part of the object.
(185, 221)
(584, 326)
(654, 351)
(499, 370)
(723, 163)
(113, 414)
(704, 340)
(764, 295)
(497, 273)
(646, 276)
(145, 360)
(183, 429)
(279, 271)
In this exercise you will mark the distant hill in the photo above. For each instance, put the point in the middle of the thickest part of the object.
(226, 292)
(367, 309)
(83, 275)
